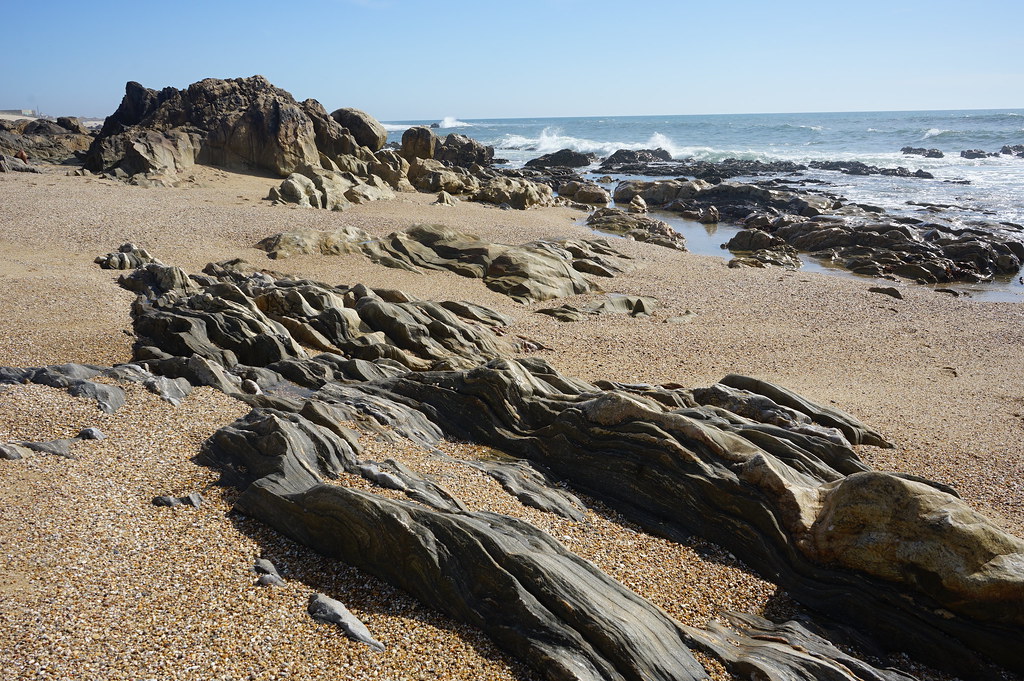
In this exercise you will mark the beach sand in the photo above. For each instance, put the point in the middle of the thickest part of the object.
(101, 584)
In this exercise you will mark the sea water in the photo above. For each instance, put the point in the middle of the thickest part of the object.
(987, 190)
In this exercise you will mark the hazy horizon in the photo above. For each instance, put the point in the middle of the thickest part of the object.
(400, 60)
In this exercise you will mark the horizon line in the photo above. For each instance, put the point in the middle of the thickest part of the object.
(661, 115)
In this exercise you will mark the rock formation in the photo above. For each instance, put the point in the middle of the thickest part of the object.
(863, 239)
(539, 270)
(43, 140)
(765, 473)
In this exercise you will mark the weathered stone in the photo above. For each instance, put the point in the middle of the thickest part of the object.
(418, 142)
(366, 129)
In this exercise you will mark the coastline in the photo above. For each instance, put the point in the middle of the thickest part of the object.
(938, 376)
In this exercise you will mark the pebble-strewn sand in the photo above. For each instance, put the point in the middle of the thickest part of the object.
(97, 583)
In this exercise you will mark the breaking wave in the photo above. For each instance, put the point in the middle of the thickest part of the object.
(452, 122)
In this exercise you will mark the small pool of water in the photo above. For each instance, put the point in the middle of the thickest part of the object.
(709, 239)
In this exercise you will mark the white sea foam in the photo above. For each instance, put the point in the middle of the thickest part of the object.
(396, 127)
(934, 132)
(452, 122)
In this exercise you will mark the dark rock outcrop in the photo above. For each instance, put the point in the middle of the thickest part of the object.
(463, 151)
(564, 157)
(921, 151)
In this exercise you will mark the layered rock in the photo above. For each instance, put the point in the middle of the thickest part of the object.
(765, 473)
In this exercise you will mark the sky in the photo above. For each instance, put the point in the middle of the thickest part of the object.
(413, 60)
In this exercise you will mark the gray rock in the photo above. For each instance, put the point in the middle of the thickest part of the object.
(11, 451)
(91, 434)
(328, 610)
(270, 580)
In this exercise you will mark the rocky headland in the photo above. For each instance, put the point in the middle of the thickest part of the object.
(270, 439)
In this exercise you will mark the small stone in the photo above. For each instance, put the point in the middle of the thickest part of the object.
(166, 501)
(265, 567)
(91, 434)
(331, 611)
(887, 291)
(251, 387)
(194, 500)
(270, 580)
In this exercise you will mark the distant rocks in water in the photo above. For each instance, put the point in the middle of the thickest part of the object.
(921, 151)
(1013, 150)
(977, 153)
(636, 226)
(565, 157)
(703, 170)
(859, 168)
(623, 156)
(862, 239)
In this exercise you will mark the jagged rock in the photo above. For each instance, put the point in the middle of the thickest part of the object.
(418, 142)
(392, 168)
(975, 153)
(243, 122)
(74, 378)
(366, 129)
(259, 321)
(638, 156)
(564, 157)
(194, 500)
(462, 151)
(639, 227)
(637, 205)
(128, 257)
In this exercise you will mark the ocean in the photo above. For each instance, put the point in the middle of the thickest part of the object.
(984, 190)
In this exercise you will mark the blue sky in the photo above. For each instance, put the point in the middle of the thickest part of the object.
(405, 59)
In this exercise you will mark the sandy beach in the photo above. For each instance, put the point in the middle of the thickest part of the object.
(100, 584)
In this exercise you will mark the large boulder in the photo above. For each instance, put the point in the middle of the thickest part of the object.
(418, 142)
(516, 192)
(366, 129)
(244, 122)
